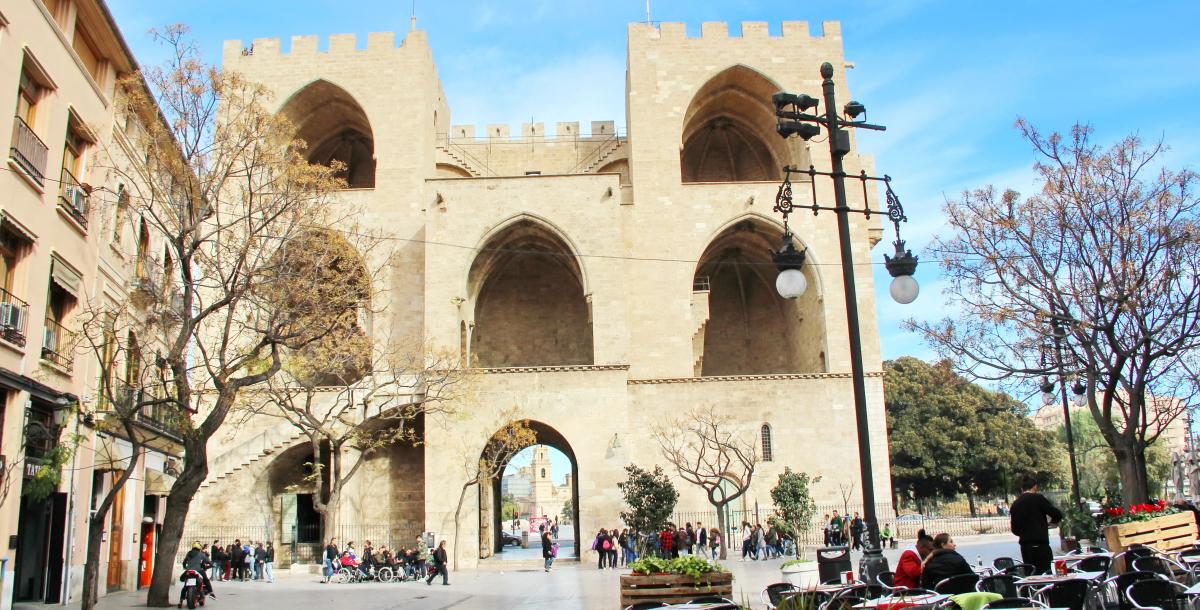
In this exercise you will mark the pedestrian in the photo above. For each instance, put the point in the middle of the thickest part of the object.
(760, 542)
(269, 562)
(215, 553)
(260, 560)
(439, 565)
(228, 562)
(247, 562)
(421, 554)
(691, 539)
(714, 541)
(330, 558)
(237, 557)
(1027, 518)
(554, 529)
(701, 538)
(856, 531)
(598, 545)
(747, 539)
(681, 542)
(666, 542)
(835, 530)
(825, 529)
(614, 542)
(772, 542)
(548, 550)
(623, 542)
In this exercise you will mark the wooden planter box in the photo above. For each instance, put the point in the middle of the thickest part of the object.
(673, 588)
(1166, 533)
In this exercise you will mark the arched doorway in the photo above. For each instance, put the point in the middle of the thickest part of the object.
(553, 476)
(751, 330)
(335, 128)
(530, 303)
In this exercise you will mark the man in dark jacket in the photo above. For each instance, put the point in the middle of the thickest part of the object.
(1028, 518)
(439, 565)
(856, 531)
(196, 559)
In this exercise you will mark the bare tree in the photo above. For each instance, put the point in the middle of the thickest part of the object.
(131, 402)
(353, 398)
(707, 452)
(238, 207)
(847, 492)
(512, 437)
(1097, 273)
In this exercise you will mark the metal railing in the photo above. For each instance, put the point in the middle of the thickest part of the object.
(303, 543)
(72, 198)
(608, 145)
(28, 150)
(56, 344)
(14, 315)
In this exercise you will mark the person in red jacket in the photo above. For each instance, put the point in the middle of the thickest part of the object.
(908, 569)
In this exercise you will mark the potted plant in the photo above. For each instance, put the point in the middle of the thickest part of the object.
(1077, 527)
(795, 511)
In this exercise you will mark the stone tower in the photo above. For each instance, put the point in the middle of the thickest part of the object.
(601, 282)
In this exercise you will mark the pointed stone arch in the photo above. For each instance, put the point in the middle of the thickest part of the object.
(335, 128)
(729, 130)
(529, 299)
(750, 329)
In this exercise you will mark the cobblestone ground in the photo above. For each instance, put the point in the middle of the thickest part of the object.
(569, 585)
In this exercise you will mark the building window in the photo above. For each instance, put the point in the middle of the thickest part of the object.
(58, 341)
(72, 197)
(766, 443)
(40, 432)
(27, 150)
(92, 60)
(14, 312)
(122, 213)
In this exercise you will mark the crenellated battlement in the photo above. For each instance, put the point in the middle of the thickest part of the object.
(719, 30)
(463, 134)
(307, 46)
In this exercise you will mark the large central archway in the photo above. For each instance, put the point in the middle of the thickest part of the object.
(335, 128)
(491, 517)
(729, 130)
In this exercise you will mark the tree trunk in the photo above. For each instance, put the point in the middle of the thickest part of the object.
(971, 503)
(462, 496)
(179, 501)
(1131, 465)
(91, 565)
(329, 516)
(724, 534)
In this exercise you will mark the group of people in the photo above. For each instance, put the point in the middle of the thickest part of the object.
(614, 548)
(241, 561)
(410, 563)
(699, 540)
(763, 543)
(841, 530)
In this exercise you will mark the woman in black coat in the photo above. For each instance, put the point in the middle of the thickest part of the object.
(943, 562)
(547, 549)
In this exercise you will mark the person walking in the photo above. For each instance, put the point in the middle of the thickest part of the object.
(747, 539)
(701, 538)
(714, 541)
(691, 539)
(760, 543)
(600, 545)
(330, 559)
(247, 562)
(548, 551)
(835, 529)
(1027, 519)
(856, 531)
(826, 531)
(439, 565)
(269, 562)
(237, 559)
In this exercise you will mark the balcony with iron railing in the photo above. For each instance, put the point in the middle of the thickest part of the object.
(72, 198)
(28, 151)
(147, 409)
(14, 314)
(56, 345)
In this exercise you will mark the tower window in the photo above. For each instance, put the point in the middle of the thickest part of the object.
(766, 443)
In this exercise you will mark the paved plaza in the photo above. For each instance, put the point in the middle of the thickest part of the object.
(569, 585)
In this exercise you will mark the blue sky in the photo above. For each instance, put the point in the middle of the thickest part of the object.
(947, 78)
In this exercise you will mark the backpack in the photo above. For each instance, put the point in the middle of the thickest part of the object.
(606, 545)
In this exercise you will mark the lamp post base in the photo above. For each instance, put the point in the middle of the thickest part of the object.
(872, 564)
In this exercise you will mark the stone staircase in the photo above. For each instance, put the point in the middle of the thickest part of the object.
(262, 445)
(700, 319)
(607, 150)
(461, 159)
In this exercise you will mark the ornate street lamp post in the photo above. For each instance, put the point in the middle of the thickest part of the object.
(794, 119)
(1059, 332)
